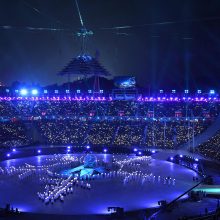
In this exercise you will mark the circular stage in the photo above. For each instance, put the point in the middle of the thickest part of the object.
(129, 182)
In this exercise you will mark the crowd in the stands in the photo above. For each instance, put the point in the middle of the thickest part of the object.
(107, 123)
(211, 148)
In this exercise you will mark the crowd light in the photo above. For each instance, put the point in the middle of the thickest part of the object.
(23, 92)
(34, 91)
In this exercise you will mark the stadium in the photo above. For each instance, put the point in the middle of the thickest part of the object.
(102, 146)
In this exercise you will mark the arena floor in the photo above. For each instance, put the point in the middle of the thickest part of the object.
(104, 192)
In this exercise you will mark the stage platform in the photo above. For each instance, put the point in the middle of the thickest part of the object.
(104, 192)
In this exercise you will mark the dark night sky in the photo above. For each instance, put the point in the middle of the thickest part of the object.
(171, 56)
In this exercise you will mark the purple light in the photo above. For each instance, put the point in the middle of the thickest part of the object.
(8, 155)
(39, 151)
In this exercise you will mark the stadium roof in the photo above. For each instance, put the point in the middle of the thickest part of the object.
(84, 65)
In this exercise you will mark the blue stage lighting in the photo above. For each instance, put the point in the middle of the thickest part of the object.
(212, 91)
(186, 91)
(34, 91)
(105, 150)
(135, 149)
(14, 150)
(87, 147)
(39, 151)
(23, 92)
(8, 155)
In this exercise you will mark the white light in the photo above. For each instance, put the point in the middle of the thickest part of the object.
(34, 92)
(45, 91)
(23, 92)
